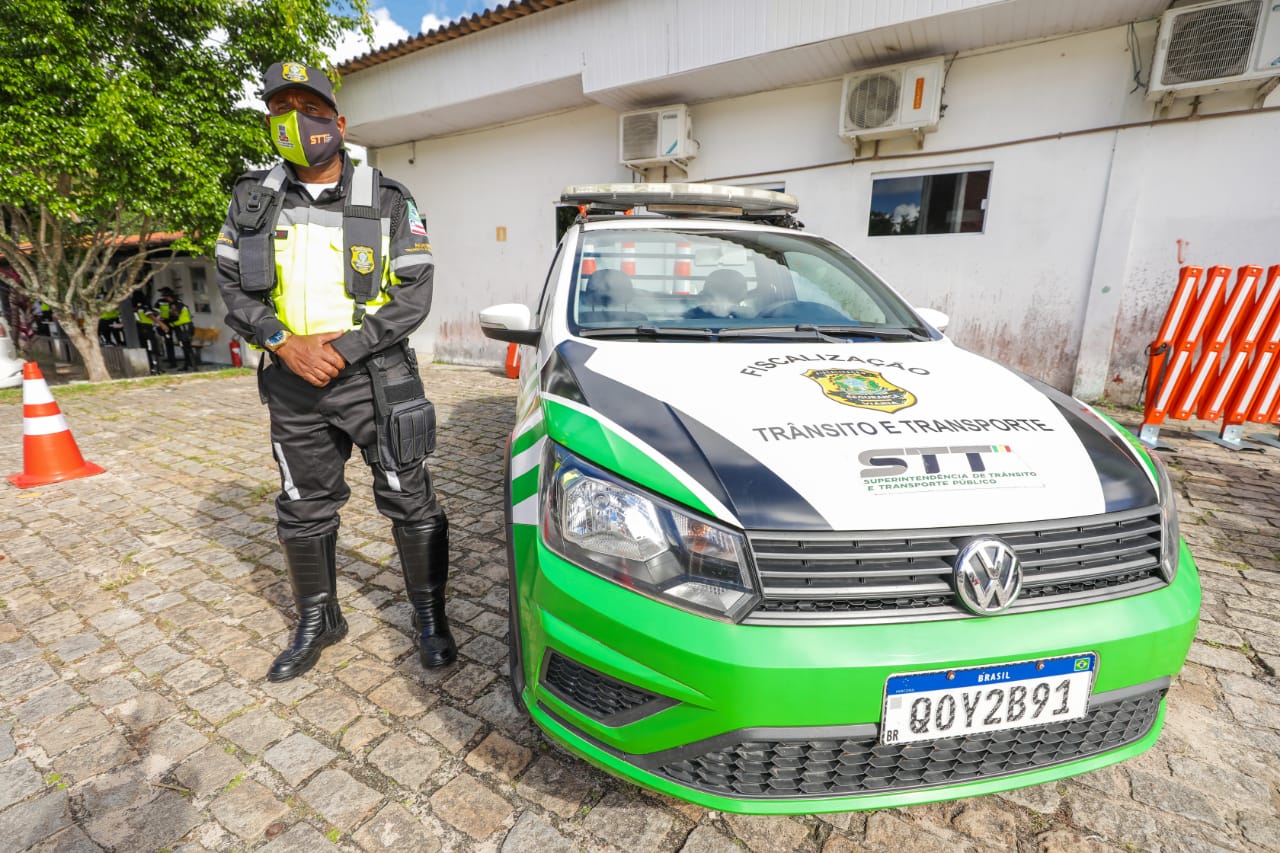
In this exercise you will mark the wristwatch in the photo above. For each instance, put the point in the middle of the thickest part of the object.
(277, 340)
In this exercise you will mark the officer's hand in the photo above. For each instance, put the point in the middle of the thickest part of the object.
(310, 357)
(342, 361)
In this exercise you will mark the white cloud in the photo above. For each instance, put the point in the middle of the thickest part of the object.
(906, 211)
(352, 43)
(432, 21)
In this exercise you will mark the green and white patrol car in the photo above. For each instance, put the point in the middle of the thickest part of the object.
(770, 551)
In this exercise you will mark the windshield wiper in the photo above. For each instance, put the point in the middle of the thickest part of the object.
(646, 332)
(781, 333)
(888, 333)
(831, 334)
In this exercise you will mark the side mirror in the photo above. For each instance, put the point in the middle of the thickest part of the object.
(934, 318)
(510, 322)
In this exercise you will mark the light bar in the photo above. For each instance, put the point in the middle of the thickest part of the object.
(670, 197)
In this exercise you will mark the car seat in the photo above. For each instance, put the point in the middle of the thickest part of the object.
(605, 298)
(721, 296)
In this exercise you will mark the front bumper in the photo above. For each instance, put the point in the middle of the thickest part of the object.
(772, 719)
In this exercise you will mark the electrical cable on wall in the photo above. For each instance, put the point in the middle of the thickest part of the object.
(1135, 56)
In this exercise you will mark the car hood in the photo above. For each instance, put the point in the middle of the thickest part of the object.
(843, 436)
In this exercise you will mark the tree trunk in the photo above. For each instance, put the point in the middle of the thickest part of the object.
(90, 352)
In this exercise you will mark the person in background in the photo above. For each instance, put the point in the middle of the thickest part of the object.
(327, 266)
(42, 317)
(149, 325)
(111, 328)
(173, 311)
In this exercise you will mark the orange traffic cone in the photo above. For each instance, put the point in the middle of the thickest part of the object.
(684, 260)
(49, 453)
(513, 361)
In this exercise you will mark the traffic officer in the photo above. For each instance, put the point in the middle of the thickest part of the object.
(111, 328)
(173, 311)
(354, 280)
(148, 320)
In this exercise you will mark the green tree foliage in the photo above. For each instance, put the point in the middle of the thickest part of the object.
(123, 119)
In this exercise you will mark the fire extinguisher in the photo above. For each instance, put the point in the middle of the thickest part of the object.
(236, 361)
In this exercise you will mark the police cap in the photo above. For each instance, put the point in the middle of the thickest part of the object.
(296, 75)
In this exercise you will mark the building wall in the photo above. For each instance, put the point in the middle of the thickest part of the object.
(471, 185)
(1087, 220)
(193, 279)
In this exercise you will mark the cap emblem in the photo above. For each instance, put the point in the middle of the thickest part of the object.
(294, 72)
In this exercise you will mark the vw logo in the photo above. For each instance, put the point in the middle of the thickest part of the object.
(988, 576)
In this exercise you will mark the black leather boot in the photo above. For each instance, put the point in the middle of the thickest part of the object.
(424, 558)
(313, 574)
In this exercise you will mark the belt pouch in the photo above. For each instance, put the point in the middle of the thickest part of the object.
(406, 419)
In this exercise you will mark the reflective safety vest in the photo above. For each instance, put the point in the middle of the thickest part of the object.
(166, 308)
(323, 270)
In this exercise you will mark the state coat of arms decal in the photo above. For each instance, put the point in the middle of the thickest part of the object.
(864, 389)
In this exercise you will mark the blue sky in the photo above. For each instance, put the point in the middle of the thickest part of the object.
(410, 13)
(394, 20)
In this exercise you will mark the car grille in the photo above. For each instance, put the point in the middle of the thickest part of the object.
(783, 769)
(597, 695)
(901, 576)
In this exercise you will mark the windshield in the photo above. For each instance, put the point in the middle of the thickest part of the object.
(726, 280)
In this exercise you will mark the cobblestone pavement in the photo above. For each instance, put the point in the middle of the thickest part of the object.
(139, 610)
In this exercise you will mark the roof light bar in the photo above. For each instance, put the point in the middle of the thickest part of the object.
(682, 198)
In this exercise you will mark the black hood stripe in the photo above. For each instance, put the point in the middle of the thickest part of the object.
(1124, 480)
(759, 498)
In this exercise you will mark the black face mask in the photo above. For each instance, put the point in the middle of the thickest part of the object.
(305, 140)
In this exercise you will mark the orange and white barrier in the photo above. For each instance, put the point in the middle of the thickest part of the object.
(1159, 363)
(1237, 385)
(1217, 355)
(629, 258)
(1225, 320)
(49, 453)
(1260, 396)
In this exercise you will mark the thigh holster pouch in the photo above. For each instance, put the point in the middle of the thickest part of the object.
(406, 419)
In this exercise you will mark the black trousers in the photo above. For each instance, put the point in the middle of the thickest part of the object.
(149, 337)
(183, 335)
(312, 433)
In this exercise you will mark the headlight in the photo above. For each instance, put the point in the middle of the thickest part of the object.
(638, 540)
(1170, 543)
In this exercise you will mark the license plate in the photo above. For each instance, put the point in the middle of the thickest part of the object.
(957, 702)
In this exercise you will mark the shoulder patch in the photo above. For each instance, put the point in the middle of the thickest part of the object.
(416, 225)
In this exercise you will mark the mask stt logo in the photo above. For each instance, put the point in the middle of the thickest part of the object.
(988, 576)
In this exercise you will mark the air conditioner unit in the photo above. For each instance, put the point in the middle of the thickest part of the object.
(892, 101)
(1207, 47)
(656, 136)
